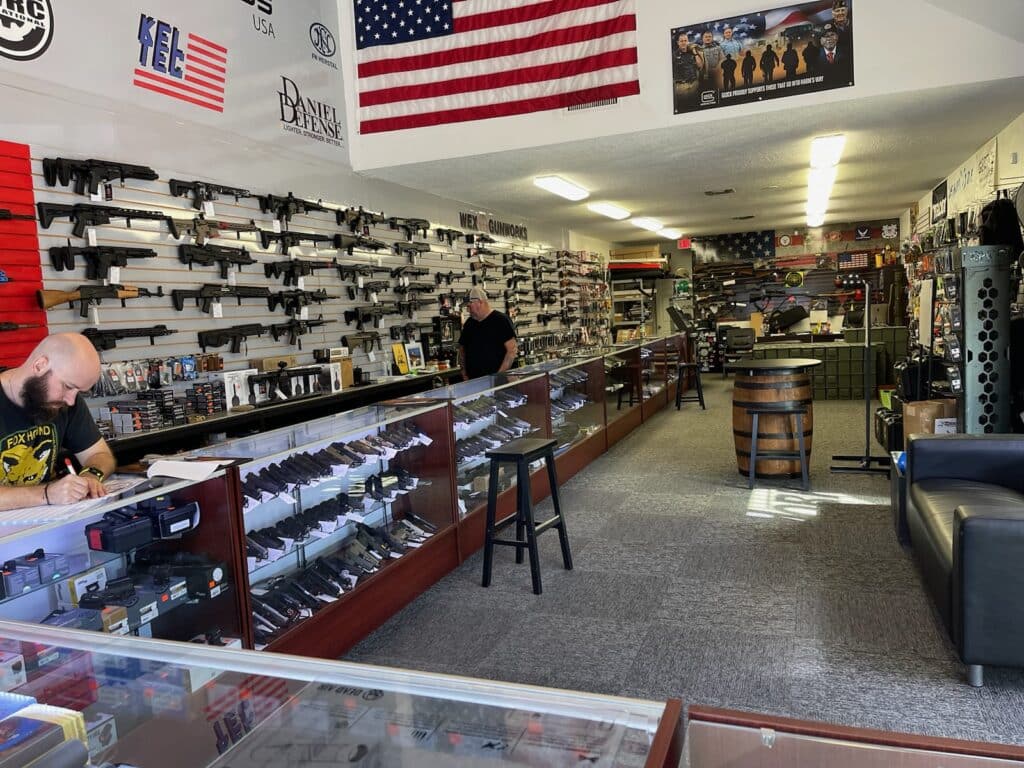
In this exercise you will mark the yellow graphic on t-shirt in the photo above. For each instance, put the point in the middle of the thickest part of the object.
(27, 457)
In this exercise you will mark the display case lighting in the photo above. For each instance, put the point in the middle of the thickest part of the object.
(561, 187)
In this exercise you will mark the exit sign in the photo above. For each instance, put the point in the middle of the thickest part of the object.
(684, 244)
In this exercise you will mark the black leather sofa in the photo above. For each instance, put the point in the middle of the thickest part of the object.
(965, 522)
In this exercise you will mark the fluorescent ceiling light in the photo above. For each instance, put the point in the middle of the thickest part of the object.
(652, 225)
(820, 181)
(559, 186)
(817, 207)
(816, 219)
(609, 210)
(670, 234)
(826, 150)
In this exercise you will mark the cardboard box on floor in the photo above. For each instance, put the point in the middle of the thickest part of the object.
(929, 417)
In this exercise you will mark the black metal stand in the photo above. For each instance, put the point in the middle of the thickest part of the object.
(866, 463)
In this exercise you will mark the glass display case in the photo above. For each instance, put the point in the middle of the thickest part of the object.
(157, 557)
(487, 412)
(329, 504)
(150, 704)
(622, 381)
(652, 368)
(577, 395)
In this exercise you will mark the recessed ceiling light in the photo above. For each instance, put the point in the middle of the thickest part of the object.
(826, 150)
(561, 187)
(670, 234)
(652, 225)
(609, 210)
(717, 192)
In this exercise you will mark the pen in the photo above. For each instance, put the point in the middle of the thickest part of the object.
(69, 465)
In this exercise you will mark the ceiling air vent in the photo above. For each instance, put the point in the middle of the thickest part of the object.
(592, 105)
(717, 192)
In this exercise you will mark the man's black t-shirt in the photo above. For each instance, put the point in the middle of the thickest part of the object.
(28, 451)
(484, 342)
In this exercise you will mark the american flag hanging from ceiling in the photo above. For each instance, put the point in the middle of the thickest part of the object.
(431, 62)
(738, 246)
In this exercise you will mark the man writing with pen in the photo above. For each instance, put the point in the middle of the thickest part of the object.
(42, 412)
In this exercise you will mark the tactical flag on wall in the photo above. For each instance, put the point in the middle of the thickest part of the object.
(431, 62)
(739, 246)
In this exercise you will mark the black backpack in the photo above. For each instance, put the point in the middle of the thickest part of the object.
(1000, 225)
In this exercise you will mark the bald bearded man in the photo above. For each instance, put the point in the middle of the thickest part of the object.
(42, 411)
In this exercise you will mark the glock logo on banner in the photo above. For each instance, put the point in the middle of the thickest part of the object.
(323, 44)
(188, 67)
(26, 28)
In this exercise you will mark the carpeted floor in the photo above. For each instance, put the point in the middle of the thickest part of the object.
(688, 585)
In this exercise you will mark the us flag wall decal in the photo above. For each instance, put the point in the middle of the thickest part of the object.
(193, 70)
(431, 62)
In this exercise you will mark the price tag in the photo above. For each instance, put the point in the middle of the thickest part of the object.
(304, 313)
(425, 440)
(218, 309)
(373, 357)
(405, 281)
(359, 281)
(97, 196)
(94, 315)
(208, 208)
(276, 225)
(373, 297)
(114, 275)
(90, 235)
(233, 276)
(301, 284)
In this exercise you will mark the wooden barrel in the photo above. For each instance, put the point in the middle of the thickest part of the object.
(775, 433)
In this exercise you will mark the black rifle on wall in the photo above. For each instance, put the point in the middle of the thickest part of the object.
(107, 339)
(85, 215)
(208, 255)
(89, 174)
(98, 259)
(205, 192)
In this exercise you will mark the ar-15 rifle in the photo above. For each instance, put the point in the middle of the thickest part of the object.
(368, 288)
(547, 317)
(409, 331)
(284, 208)
(89, 174)
(203, 229)
(205, 192)
(479, 265)
(374, 312)
(86, 295)
(416, 286)
(364, 339)
(6, 215)
(448, 277)
(207, 255)
(288, 239)
(211, 292)
(355, 271)
(450, 235)
(295, 328)
(357, 218)
(411, 250)
(107, 339)
(98, 259)
(349, 243)
(296, 268)
(409, 271)
(293, 301)
(234, 335)
(86, 215)
(409, 225)
(413, 303)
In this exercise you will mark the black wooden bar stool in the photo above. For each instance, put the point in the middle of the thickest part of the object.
(523, 451)
(691, 398)
(800, 453)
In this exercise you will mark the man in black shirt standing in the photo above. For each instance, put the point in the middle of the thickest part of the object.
(488, 341)
(42, 411)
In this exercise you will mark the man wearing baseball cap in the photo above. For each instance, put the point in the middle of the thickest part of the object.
(488, 341)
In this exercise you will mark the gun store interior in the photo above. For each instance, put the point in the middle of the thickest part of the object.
(312, 322)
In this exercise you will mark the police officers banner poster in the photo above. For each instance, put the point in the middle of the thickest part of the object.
(787, 51)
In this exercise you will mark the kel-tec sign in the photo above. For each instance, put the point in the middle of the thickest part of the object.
(26, 28)
(308, 117)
